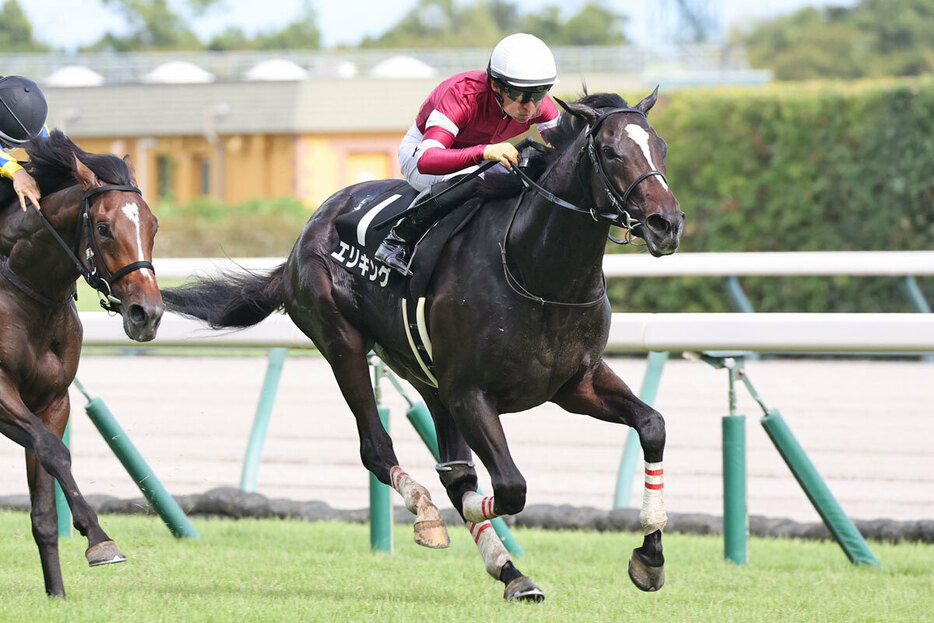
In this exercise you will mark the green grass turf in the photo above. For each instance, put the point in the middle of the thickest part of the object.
(272, 570)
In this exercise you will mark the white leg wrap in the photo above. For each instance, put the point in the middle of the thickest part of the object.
(477, 508)
(653, 515)
(491, 548)
(410, 490)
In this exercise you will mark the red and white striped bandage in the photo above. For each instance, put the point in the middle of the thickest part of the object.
(477, 508)
(653, 516)
(413, 494)
(396, 474)
(491, 548)
(476, 529)
(654, 476)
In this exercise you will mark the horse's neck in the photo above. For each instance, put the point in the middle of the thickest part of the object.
(559, 252)
(32, 253)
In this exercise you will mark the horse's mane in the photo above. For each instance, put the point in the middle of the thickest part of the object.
(52, 165)
(568, 129)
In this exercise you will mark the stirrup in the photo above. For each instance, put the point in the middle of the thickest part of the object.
(392, 254)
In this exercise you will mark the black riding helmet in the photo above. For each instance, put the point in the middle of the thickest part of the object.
(23, 110)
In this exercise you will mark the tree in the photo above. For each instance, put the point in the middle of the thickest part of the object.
(593, 25)
(873, 38)
(16, 30)
(153, 26)
(302, 34)
(446, 24)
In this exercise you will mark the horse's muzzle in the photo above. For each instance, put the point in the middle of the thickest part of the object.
(141, 320)
(662, 232)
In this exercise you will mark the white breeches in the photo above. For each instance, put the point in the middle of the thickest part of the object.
(409, 151)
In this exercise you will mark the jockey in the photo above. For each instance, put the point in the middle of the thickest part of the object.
(23, 111)
(466, 120)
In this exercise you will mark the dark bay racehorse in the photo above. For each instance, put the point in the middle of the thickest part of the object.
(518, 315)
(91, 201)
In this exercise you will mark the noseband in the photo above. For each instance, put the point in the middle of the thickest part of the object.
(84, 229)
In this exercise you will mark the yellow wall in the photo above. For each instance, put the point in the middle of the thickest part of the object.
(258, 166)
(327, 163)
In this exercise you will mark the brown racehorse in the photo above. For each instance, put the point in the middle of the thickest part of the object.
(90, 200)
(517, 316)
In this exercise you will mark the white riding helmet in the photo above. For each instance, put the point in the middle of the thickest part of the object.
(523, 61)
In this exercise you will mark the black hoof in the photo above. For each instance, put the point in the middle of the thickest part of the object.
(523, 589)
(645, 576)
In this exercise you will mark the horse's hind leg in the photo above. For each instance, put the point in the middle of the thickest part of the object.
(459, 478)
(600, 393)
(347, 356)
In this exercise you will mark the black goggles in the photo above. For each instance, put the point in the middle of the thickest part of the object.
(523, 96)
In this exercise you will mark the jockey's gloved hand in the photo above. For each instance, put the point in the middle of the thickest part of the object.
(26, 188)
(505, 153)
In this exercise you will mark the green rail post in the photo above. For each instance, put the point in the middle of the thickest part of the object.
(380, 494)
(633, 449)
(267, 398)
(840, 526)
(61, 504)
(913, 291)
(735, 515)
(381, 505)
(420, 417)
(136, 466)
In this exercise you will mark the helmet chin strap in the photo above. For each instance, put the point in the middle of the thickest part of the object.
(499, 100)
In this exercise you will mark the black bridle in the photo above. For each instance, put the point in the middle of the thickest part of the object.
(620, 217)
(620, 203)
(104, 281)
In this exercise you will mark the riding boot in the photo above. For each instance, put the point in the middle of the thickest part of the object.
(395, 251)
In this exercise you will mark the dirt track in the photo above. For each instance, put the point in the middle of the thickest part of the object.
(866, 425)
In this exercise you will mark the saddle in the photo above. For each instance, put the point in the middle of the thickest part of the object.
(361, 231)
(360, 234)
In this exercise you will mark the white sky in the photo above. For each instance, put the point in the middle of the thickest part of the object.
(71, 23)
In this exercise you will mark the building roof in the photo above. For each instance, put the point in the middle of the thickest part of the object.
(314, 106)
(353, 105)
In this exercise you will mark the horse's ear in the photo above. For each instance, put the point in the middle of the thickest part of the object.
(582, 111)
(131, 169)
(646, 104)
(86, 176)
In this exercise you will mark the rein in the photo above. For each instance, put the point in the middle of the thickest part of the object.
(89, 272)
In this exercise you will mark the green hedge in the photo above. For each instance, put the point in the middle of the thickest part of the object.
(797, 168)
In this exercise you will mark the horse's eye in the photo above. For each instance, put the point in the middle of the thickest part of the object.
(609, 154)
(103, 229)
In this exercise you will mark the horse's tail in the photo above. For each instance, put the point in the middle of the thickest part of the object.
(228, 300)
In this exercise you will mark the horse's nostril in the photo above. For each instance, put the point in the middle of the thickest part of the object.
(137, 314)
(659, 224)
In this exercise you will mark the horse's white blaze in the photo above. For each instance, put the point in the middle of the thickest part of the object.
(131, 210)
(653, 516)
(641, 137)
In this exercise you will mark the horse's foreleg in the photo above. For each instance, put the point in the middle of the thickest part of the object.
(37, 436)
(600, 393)
(459, 478)
(349, 364)
(44, 524)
